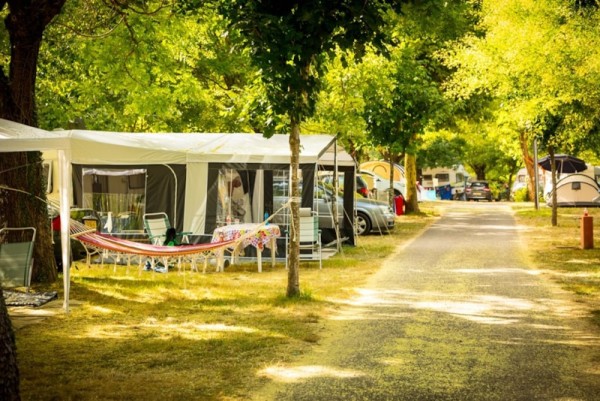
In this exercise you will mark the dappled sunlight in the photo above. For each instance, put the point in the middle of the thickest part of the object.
(102, 310)
(576, 339)
(505, 270)
(371, 304)
(298, 373)
(490, 320)
(162, 330)
(583, 261)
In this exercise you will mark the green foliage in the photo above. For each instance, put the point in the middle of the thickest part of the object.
(401, 105)
(146, 71)
(289, 42)
(522, 195)
(538, 59)
(340, 103)
(441, 151)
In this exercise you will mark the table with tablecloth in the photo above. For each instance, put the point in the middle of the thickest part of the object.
(258, 235)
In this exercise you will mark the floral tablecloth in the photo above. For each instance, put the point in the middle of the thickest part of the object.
(261, 235)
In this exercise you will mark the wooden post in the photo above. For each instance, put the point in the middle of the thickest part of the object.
(587, 231)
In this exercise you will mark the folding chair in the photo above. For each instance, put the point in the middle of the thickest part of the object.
(310, 237)
(16, 256)
(157, 227)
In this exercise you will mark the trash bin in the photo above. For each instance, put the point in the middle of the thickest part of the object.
(446, 192)
(399, 205)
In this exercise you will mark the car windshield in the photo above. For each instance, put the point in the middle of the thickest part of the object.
(479, 185)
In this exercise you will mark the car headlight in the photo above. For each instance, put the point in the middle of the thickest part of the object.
(385, 209)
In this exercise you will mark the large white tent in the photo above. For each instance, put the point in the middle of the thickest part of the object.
(196, 151)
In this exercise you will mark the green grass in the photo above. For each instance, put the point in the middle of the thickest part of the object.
(557, 250)
(148, 336)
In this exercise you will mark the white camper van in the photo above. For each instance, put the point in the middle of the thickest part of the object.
(439, 179)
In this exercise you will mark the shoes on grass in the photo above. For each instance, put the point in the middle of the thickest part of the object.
(161, 269)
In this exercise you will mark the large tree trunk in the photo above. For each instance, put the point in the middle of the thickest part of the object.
(9, 371)
(25, 23)
(293, 288)
(410, 170)
(528, 160)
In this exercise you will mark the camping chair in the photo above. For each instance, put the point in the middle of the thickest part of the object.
(157, 225)
(159, 231)
(310, 237)
(16, 256)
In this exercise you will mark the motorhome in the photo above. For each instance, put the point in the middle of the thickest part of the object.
(445, 182)
(382, 169)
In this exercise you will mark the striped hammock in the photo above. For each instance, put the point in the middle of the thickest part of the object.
(95, 242)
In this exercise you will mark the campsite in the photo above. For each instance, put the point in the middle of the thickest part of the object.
(163, 223)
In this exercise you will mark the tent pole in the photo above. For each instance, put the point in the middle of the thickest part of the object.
(65, 173)
(175, 195)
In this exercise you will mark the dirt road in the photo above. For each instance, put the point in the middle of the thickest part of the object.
(455, 315)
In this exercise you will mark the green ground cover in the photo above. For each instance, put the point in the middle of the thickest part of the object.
(150, 336)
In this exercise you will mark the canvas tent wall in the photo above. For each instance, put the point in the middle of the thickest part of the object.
(574, 190)
(382, 169)
(182, 169)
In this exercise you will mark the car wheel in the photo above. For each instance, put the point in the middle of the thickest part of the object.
(363, 224)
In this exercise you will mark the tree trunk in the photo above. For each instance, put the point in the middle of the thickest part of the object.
(531, 169)
(24, 206)
(554, 197)
(391, 187)
(479, 170)
(25, 24)
(9, 373)
(410, 171)
(293, 288)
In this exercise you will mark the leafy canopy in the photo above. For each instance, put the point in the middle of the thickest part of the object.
(290, 42)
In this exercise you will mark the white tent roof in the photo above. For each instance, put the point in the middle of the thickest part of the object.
(99, 147)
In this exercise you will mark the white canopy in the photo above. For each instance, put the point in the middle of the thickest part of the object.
(108, 148)
(99, 147)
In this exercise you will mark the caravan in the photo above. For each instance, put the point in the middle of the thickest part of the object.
(444, 182)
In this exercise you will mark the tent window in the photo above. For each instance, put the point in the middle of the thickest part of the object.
(118, 197)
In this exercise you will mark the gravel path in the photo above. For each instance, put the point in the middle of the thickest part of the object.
(454, 315)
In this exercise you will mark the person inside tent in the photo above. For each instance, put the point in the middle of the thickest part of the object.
(234, 199)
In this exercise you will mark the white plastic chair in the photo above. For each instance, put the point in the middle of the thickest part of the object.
(16, 256)
(310, 237)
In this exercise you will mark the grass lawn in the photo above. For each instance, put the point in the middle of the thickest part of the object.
(557, 250)
(193, 336)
